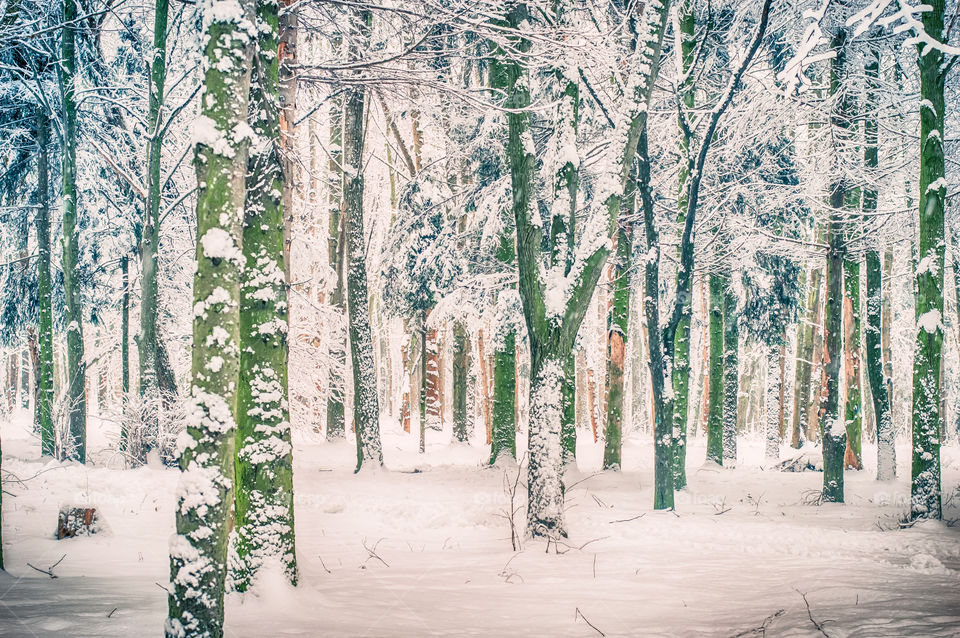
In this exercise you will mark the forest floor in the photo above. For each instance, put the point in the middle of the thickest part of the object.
(423, 549)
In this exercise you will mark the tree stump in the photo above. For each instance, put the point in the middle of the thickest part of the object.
(77, 521)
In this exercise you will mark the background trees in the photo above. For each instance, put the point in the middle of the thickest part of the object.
(676, 200)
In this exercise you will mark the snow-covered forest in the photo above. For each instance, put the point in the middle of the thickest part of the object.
(479, 317)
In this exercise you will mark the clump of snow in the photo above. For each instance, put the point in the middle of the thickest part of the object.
(930, 322)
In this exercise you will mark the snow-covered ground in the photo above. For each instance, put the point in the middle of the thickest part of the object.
(423, 549)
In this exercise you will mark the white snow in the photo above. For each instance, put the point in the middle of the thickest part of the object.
(930, 321)
(448, 570)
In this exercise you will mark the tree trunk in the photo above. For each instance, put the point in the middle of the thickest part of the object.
(879, 388)
(731, 376)
(715, 364)
(833, 432)
(772, 396)
(851, 347)
(619, 318)
(73, 312)
(461, 367)
(264, 467)
(366, 410)
(336, 386)
(44, 290)
(205, 494)
(806, 336)
(928, 418)
(504, 432)
(149, 245)
(686, 37)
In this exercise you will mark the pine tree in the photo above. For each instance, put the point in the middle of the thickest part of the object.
(205, 495)
(264, 467)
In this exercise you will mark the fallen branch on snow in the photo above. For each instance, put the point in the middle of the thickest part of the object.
(818, 625)
(579, 614)
(49, 571)
(762, 629)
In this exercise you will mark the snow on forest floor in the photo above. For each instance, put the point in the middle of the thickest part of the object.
(740, 548)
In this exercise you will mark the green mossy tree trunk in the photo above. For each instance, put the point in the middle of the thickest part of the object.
(504, 436)
(686, 21)
(76, 400)
(716, 366)
(928, 417)
(205, 497)
(264, 467)
(44, 289)
(504, 75)
(366, 408)
(563, 214)
(833, 432)
(618, 322)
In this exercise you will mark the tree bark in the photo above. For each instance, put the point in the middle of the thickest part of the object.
(73, 312)
(731, 376)
(715, 364)
(366, 409)
(264, 467)
(928, 417)
(461, 367)
(205, 493)
(44, 289)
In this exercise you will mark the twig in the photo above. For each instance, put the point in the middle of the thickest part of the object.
(322, 564)
(762, 629)
(594, 627)
(48, 571)
(162, 587)
(819, 626)
(112, 612)
(373, 553)
(627, 520)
